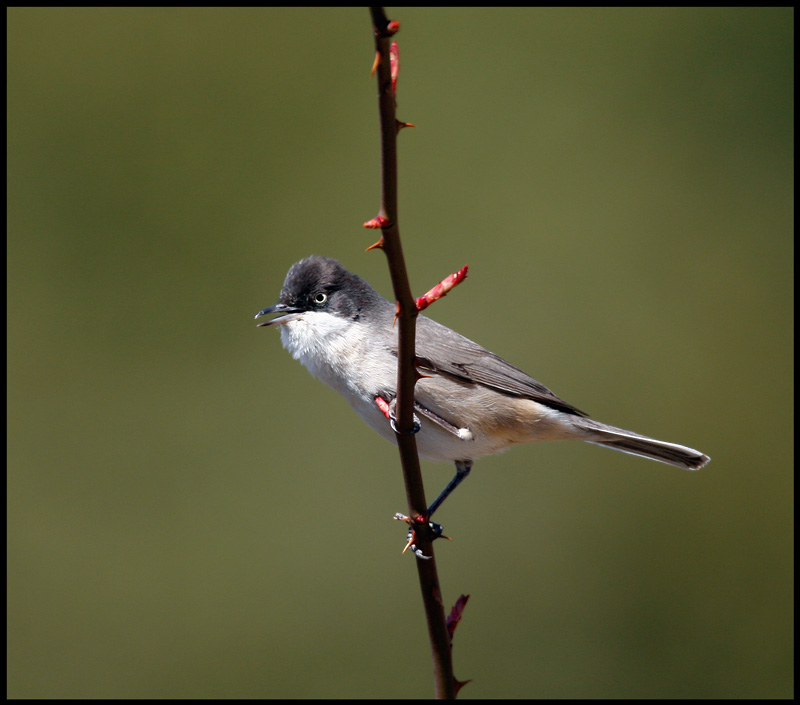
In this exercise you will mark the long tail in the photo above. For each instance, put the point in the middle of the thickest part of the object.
(636, 444)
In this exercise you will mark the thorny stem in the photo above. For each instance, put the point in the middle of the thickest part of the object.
(445, 682)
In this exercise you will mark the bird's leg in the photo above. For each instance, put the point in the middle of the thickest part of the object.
(462, 470)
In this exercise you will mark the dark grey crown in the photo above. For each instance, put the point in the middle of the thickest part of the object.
(319, 283)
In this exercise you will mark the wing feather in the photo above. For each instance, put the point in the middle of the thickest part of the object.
(445, 352)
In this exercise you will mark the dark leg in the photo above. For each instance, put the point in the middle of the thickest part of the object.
(462, 470)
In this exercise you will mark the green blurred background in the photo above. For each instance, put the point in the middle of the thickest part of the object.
(190, 514)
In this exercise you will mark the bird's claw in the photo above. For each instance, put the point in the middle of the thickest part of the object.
(388, 408)
(411, 537)
(416, 428)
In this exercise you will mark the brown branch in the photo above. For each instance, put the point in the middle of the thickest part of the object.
(386, 66)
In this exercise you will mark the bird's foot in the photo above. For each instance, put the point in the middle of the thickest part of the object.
(411, 537)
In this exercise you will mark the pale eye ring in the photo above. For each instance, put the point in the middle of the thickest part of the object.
(320, 297)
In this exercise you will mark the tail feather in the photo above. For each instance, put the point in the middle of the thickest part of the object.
(636, 444)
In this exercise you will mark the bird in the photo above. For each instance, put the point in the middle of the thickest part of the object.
(468, 403)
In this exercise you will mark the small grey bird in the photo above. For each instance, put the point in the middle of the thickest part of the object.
(471, 402)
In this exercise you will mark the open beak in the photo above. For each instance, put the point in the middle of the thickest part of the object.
(288, 313)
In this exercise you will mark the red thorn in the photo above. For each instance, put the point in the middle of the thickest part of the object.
(377, 222)
(375, 64)
(401, 125)
(442, 288)
(378, 245)
(394, 63)
(383, 405)
(396, 313)
(391, 28)
(460, 684)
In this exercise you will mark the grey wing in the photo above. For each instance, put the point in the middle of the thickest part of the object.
(443, 351)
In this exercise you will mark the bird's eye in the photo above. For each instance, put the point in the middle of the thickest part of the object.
(320, 297)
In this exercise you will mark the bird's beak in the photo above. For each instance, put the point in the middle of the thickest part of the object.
(289, 313)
